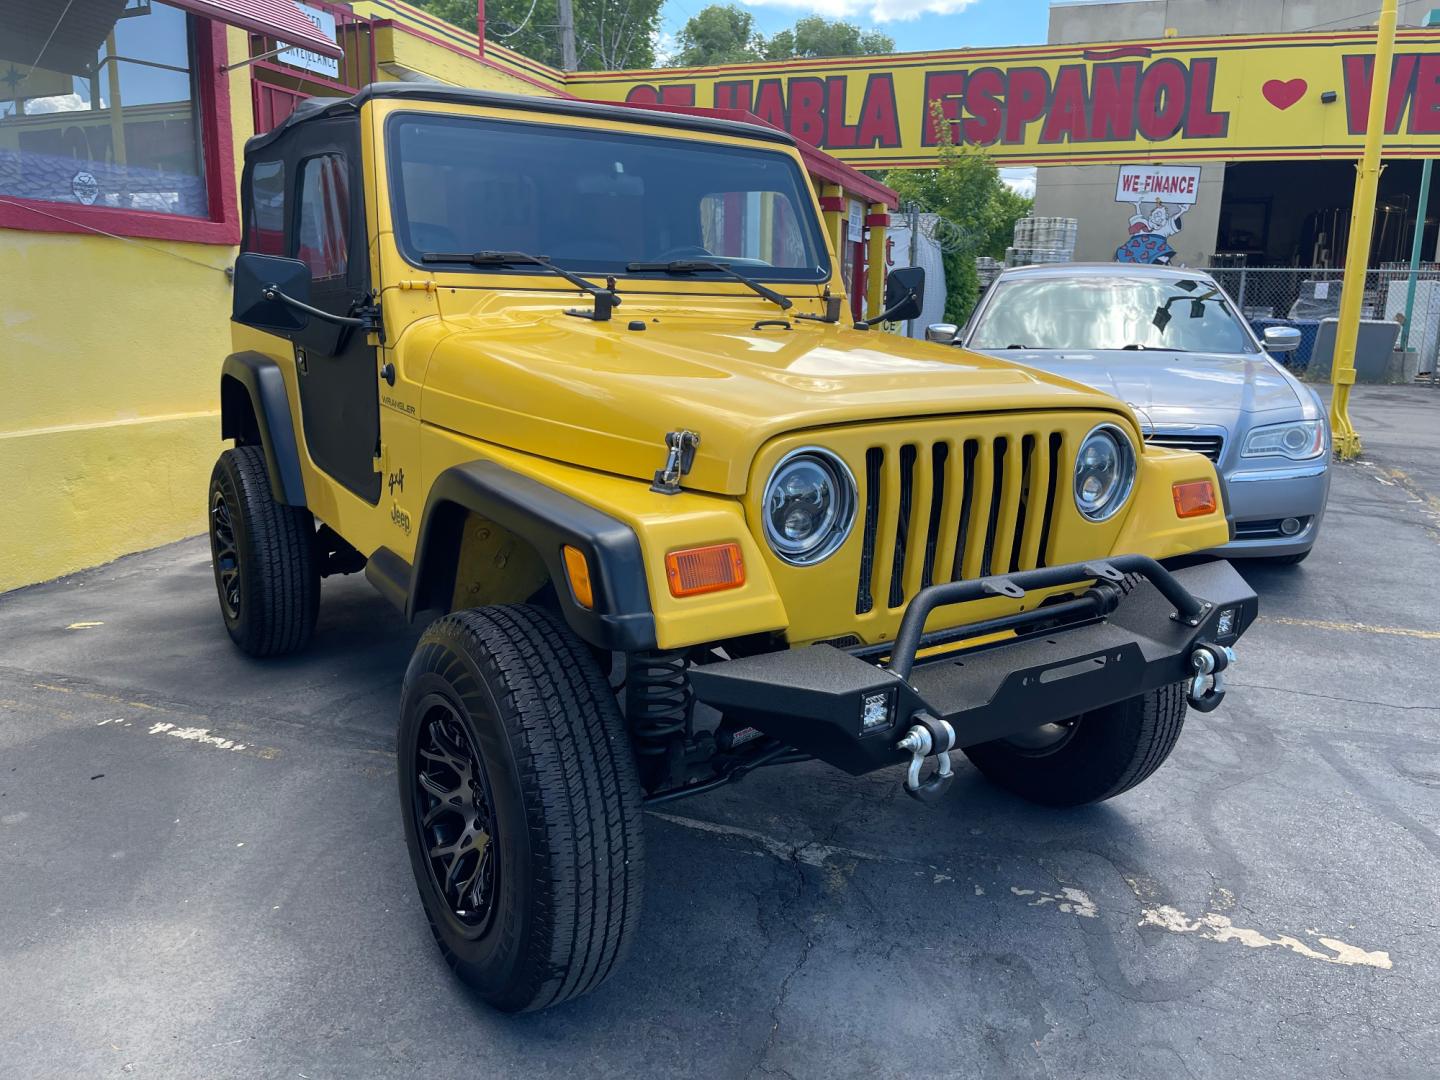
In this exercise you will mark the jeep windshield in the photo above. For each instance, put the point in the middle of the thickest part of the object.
(1094, 312)
(596, 201)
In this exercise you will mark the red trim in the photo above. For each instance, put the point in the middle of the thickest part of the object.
(832, 204)
(877, 221)
(35, 215)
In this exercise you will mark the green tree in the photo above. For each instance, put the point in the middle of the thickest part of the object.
(965, 189)
(815, 36)
(726, 34)
(609, 34)
(719, 34)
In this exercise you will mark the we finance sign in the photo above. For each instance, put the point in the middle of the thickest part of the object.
(1192, 99)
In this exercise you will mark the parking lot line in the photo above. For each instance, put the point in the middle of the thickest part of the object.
(1351, 627)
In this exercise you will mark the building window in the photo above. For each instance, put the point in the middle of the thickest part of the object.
(322, 235)
(99, 106)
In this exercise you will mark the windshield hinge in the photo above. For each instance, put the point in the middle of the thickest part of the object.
(606, 301)
(368, 311)
(679, 457)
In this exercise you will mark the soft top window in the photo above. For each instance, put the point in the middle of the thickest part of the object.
(594, 201)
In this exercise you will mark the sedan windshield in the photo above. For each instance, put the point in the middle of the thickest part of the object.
(1092, 312)
(595, 201)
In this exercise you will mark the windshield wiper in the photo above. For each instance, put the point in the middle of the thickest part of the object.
(700, 266)
(606, 299)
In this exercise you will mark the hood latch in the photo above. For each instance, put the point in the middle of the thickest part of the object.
(679, 457)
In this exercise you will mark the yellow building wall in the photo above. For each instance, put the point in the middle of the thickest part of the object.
(109, 416)
(110, 352)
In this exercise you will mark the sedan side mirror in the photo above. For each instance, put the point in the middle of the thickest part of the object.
(1281, 339)
(261, 281)
(942, 333)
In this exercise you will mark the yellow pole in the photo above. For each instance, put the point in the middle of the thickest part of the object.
(1357, 259)
(875, 260)
(832, 202)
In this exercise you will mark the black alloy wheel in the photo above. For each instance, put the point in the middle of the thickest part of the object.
(521, 805)
(455, 815)
(225, 554)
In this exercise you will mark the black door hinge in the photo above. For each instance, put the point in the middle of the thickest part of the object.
(367, 309)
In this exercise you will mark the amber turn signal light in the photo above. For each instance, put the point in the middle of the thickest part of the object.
(1194, 498)
(577, 569)
(705, 569)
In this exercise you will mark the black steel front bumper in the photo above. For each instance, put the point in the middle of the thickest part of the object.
(1131, 626)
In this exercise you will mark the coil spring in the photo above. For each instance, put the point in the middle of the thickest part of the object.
(659, 703)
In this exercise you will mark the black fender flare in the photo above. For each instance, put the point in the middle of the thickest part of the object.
(259, 377)
(546, 519)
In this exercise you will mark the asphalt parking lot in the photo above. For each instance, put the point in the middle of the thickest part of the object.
(202, 871)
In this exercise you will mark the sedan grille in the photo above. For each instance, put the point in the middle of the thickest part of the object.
(952, 510)
(1209, 445)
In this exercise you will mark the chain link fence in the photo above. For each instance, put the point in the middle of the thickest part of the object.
(1303, 296)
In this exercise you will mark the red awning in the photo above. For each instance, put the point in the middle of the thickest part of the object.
(279, 19)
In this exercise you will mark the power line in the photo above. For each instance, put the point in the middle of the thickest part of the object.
(523, 22)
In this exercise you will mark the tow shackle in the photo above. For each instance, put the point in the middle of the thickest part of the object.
(927, 736)
(1207, 685)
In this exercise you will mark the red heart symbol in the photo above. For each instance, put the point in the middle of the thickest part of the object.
(1284, 94)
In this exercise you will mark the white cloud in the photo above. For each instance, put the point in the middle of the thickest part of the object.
(59, 103)
(877, 11)
(1020, 180)
(664, 45)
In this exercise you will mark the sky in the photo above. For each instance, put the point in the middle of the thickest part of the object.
(916, 25)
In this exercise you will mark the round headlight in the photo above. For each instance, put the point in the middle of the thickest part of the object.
(809, 506)
(1104, 472)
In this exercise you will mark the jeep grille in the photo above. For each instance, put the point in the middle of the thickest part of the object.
(951, 510)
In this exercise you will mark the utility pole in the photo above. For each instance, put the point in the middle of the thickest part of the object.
(1357, 259)
(566, 21)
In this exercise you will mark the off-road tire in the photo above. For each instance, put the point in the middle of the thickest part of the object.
(274, 545)
(1107, 752)
(564, 794)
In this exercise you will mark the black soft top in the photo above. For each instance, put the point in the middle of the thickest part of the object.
(318, 108)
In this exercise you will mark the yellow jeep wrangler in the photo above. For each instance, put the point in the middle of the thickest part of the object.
(570, 383)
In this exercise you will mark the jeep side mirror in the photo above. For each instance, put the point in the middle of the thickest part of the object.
(904, 297)
(1281, 339)
(904, 294)
(942, 333)
(260, 283)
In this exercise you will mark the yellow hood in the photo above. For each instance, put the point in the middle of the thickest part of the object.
(604, 395)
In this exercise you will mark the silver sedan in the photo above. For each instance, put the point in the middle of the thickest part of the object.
(1171, 344)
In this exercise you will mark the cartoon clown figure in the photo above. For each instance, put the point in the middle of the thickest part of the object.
(1150, 234)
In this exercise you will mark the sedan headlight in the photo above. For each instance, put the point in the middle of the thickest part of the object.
(1298, 440)
(809, 506)
(1104, 472)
